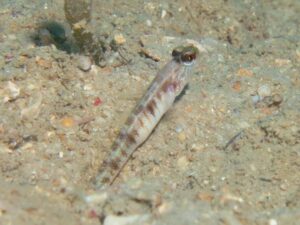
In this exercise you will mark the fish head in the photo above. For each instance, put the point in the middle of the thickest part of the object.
(185, 55)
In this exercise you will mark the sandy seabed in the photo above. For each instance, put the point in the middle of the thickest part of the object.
(227, 152)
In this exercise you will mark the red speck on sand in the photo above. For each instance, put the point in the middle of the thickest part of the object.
(97, 101)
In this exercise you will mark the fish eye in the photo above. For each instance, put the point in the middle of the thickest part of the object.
(188, 57)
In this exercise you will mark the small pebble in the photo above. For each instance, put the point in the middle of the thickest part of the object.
(205, 182)
(88, 87)
(255, 99)
(202, 196)
(236, 86)
(244, 72)
(149, 23)
(213, 187)
(67, 122)
(282, 62)
(84, 63)
(188, 109)
(283, 187)
(277, 99)
(181, 137)
(125, 220)
(273, 222)
(163, 13)
(119, 39)
(164, 208)
(97, 198)
(264, 91)
(197, 147)
(178, 129)
(182, 163)
(60, 154)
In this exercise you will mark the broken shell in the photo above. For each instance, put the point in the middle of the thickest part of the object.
(33, 110)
